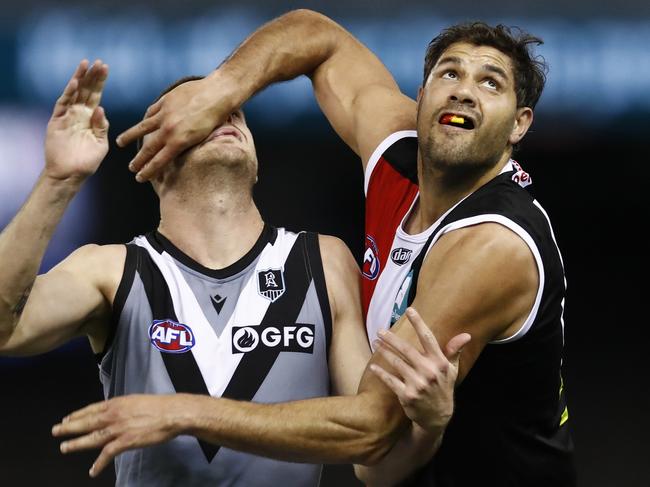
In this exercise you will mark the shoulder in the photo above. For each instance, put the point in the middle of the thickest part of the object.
(486, 238)
(104, 256)
(388, 111)
(488, 261)
(335, 254)
(102, 265)
(342, 275)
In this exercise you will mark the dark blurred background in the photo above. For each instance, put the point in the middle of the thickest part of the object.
(587, 154)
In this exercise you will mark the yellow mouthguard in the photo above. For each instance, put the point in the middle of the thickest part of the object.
(456, 119)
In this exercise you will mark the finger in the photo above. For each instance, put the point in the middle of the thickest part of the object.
(86, 83)
(392, 382)
(97, 88)
(407, 372)
(79, 426)
(92, 409)
(408, 351)
(139, 130)
(106, 456)
(70, 91)
(162, 158)
(94, 439)
(455, 347)
(425, 335)
(153, 109)
(149, 149)
(99, 123)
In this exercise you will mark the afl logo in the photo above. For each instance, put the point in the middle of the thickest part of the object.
(400, 255)
(370, 267)
(171, 337)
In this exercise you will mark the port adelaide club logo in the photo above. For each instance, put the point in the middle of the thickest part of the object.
(171, 337)
(270, 284)
(280, 338)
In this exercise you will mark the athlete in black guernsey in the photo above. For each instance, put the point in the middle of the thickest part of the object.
(493, 269)
(517, 379)
(214, 304)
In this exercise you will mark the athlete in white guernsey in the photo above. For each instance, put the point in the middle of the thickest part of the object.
(214, 303)
(449, 230)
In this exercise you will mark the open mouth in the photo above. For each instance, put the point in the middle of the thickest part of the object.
(460, 121)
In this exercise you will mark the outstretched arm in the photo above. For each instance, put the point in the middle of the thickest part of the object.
(354, 89)
(37, 314)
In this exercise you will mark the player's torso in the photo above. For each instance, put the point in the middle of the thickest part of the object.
(258, 330)
(510, 414)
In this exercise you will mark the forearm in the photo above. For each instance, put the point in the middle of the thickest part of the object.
(350, 429)
(294, 44)
(24, 241)
(412, 450)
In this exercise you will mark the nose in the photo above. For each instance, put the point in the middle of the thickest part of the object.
(463, 94)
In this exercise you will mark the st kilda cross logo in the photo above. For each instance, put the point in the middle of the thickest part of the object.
(270, 284)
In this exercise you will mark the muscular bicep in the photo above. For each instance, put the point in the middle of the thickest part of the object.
(73, 299)
(482, 280)
(360, 98)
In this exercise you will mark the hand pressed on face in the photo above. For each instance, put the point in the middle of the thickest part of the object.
(179, 120)
(423, 381)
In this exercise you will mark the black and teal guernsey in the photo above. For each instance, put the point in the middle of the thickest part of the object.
(510, 425)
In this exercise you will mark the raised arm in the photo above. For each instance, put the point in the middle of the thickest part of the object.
(354, 89)
(39, 313)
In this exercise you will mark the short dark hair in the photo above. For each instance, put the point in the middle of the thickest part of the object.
(176, 83)
(529, 70)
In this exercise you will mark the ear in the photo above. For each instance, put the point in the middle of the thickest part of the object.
(420, 91)
(523, 121)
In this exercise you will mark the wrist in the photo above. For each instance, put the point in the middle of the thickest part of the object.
(185, 410)
(62, 186)
(227, 86)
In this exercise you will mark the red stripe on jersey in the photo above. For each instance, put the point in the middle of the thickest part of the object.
(388, 198)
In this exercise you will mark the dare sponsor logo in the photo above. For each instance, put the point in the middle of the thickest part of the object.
(370, 267)
(521, 177)
(283, 338)
(400, 255)
(171, 337)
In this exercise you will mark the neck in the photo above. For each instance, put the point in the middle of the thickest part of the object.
(215, 227)
(440, 190)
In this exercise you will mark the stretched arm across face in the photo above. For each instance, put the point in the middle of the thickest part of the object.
(354, 89)
(39, 313)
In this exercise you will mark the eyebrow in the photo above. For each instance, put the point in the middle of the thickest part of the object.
(488, 67)
(450, 60)
(497, 70)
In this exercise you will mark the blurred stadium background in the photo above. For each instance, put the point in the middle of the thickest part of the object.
(587, 154)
